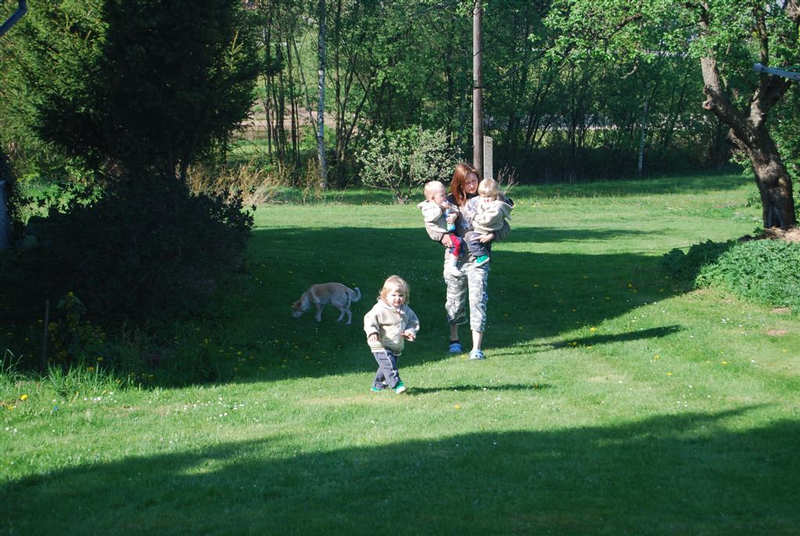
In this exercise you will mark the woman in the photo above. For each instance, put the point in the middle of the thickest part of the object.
(468, 281)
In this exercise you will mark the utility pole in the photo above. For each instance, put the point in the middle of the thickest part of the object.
(477, 87)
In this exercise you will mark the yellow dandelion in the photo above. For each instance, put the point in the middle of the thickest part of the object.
(593, 329)
(23, 397)
(457, 406)
(669, 374)
(724, 363)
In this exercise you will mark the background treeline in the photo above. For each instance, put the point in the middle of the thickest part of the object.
(394, 65)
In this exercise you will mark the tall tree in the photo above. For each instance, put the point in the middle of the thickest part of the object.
(322, 62)
(146, 86)
(726, 37)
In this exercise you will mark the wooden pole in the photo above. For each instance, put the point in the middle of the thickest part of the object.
(477, 84)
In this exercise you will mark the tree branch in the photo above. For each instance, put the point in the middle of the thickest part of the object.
(792, 9)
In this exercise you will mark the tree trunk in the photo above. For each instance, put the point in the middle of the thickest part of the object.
(774, 183)
(323, 172)
(749, 133)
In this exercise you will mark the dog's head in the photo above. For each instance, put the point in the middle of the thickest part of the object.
(299, 307)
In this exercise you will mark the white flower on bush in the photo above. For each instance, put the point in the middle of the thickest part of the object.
(403, 160)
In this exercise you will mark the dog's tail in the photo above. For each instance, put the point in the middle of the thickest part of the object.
(355, 294)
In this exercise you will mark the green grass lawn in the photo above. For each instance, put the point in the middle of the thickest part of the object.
(612, 400)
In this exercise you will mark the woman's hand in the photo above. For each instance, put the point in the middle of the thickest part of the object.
(486, 238)
(373, 338)
(446, 242)
(409, 335)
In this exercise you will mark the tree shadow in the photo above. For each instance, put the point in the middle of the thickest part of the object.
(415, 391)
(537, 235)
(594, 340)
(673, 474)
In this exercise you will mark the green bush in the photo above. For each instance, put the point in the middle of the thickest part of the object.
(148, 251)
(684, 267)
(763, 271)
(403, 160)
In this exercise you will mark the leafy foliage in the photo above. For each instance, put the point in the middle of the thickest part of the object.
(763, 271)
(145, 251)
(685, 267)
(126, 95)
(137, 86)
(403, 160)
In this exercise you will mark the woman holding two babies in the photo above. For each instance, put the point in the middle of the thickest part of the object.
(466, 270)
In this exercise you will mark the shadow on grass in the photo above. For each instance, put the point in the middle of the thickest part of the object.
(412, 391)
(533, 296)
(672, 474)
(594, 340)
(546, 235)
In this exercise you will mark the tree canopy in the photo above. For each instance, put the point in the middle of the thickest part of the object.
(726, 38)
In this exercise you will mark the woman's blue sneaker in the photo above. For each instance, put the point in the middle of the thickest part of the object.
(477, 354)
(455, 348)
(399, 388)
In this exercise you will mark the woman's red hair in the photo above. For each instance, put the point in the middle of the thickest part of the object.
(460, 175)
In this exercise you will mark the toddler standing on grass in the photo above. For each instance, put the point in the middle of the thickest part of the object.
(388, 325)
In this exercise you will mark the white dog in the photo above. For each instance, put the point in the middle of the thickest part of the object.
(321, 294)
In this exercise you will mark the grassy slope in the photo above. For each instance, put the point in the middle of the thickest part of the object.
(611, 402)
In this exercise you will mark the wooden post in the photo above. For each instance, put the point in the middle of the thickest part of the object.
(488, 164)
(477, 83)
